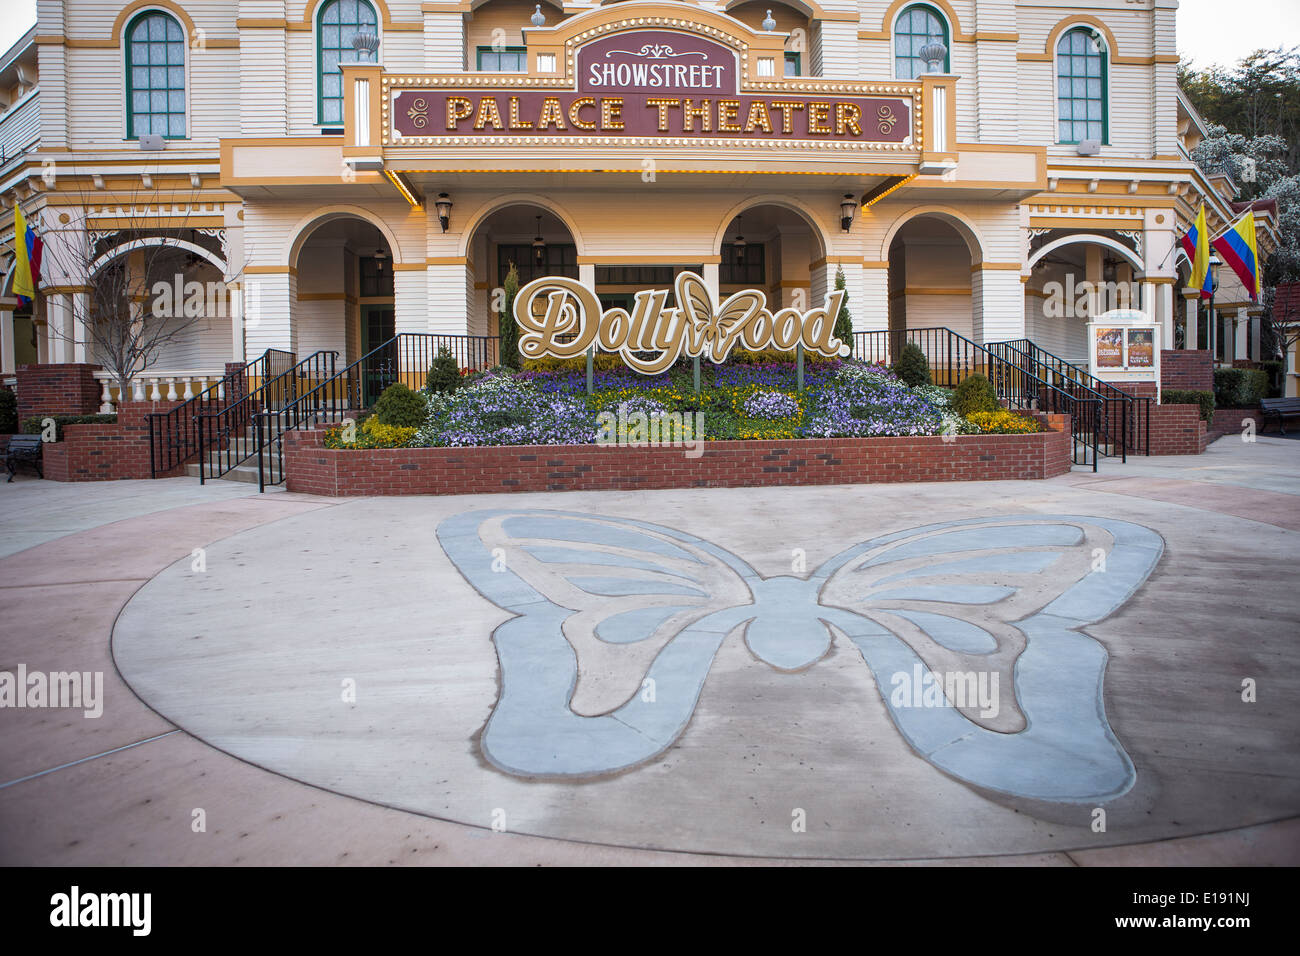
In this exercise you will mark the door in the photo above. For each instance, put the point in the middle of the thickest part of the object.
(378, 371)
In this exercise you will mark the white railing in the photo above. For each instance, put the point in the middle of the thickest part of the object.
(170, 386)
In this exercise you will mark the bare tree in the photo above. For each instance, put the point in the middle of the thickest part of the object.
(139, 274)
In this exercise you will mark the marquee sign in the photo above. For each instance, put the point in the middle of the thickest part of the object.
(649, 84)
(562, 318)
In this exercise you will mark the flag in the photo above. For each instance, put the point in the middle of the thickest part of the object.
(1196, 243)
(1237, 246)
(27, 267)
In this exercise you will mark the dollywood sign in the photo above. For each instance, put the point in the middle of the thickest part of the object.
(562, 318)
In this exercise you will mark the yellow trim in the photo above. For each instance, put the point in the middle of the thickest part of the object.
(1004, 266)
(632, 259)
(270, 270)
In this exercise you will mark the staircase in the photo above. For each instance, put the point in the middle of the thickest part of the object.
(242, 450)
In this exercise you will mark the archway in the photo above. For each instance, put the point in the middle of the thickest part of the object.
(776, 248)
(344, 293)
(1072, 278)
(533, 239)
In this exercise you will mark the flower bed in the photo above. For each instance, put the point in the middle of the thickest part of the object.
(755, 401)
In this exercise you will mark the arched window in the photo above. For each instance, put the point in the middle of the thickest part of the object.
(339, 21)
(1081, 86)
(155, 76)
(916, 26)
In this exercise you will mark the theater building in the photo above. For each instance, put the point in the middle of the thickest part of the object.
(360, 168)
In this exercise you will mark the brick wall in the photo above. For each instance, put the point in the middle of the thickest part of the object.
(68, 389)
(106, 452)
(314, 469)
(1177, 430)
(1186, 368)
(1229, 421)
(1140, 389)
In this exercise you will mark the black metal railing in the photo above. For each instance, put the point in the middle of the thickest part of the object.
(404, 358)
(953, 358)
(223, 439)
(174, 434)
(1127, 425)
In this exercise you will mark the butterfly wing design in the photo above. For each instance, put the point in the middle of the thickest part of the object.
(715, 329)
(1003, 596)
(624, 598)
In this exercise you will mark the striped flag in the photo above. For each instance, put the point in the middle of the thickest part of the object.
(1238, 248)
(1196, 243)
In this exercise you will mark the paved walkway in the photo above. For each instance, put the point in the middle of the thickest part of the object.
(328, 688)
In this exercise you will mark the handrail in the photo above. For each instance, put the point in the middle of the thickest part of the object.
(407, 357)
(217, 430)
(173, 436)
(1129, 430)
(959, 357)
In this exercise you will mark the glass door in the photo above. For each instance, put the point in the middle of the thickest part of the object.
(379, 370)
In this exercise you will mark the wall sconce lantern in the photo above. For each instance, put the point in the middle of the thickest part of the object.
(538, 19)
(539, 244)
(380, 256)
(848, 209)
(739, 243)
(443, 205)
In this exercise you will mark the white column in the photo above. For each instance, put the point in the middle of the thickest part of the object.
(871, 311)
(1240, 349)
(57, 326)
(710, 277)
(270, 301)
(997, 305)
(1255, 338)
(1191, 330)
(1165, 314)
(80, 343)
(7, 366)
(237, 352)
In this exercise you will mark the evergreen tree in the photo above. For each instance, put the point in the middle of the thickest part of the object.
(506, 324)
(843, 321)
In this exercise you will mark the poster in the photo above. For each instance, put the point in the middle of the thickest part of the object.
(1141, 348)
(1110, 347)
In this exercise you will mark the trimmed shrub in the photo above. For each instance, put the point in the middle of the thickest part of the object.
(33, 426)
(912, 367)
(1239, 387)
(370, 434)
(843, 321)
(8, 412)
(506, 323)
(444, 374)
(400, 406)
(1187, 396)
(974, 394)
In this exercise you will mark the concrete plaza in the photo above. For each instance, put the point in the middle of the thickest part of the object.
(317, 680)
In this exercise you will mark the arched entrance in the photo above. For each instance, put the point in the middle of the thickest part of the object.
(930, 277)
(774, 248)
(1071, 278)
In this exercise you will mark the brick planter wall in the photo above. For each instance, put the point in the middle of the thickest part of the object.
(313, 469)
(1186, 368)
(68, 389)
(106, 452)
(1228, 421)
(1177, 430)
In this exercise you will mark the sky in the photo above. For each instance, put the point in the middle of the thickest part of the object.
(1209, 31)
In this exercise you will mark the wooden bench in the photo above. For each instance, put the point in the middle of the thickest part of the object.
(23, 450)
(1279, 408)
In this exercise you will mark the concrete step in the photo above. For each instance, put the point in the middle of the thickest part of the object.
(246, 472)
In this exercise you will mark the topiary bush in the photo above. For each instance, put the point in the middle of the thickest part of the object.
(8, 412)
(1188, 396)
(975, 394)
(444, 374)
(401, 407)
(844, 320)
(506, 323)
(1239, 387)
(912, 367)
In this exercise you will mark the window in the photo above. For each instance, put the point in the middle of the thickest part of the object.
(558, 259)
(649, 277)
(742, 265)
(509, 59)
(340, 21)
(1080, 87)
(155, 77)
(915, 27)
(792, 65)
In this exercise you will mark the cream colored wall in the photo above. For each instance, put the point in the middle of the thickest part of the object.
(509, 16)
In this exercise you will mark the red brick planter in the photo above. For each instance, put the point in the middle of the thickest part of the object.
(313, 469)
(1177, 430)
(106, 452)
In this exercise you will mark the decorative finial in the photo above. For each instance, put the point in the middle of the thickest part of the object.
(538, 18)
(768, 23)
